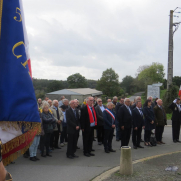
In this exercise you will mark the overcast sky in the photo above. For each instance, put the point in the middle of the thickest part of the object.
(89, 36)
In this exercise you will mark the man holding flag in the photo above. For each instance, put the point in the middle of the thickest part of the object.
(19, 118)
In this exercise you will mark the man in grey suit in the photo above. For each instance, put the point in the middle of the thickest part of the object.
(100, 123)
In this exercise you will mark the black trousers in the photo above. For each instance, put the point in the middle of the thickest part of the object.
(63, 137)
(54, 139)
(175, 130)
(45, 142)
(108, 136)
(71, 146)
(147, 135)
(136, 136)
(100, 134)
(125, 136)
(88, 136)
(77, 132)
(159, 132)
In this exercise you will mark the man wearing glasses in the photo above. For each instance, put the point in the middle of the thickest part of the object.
(100, 123)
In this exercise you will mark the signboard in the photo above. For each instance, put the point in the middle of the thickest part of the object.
(154, 90)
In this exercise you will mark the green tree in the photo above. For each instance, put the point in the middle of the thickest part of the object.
(127, 84)
(54, 86)
(77, 81)
(177, 80)
(109, 83)
(151, 74)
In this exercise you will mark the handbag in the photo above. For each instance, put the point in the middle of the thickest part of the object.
(153, 140)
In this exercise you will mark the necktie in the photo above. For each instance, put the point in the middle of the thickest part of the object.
(75, 113)
(141, 112)
(93, 114)
(129, 110)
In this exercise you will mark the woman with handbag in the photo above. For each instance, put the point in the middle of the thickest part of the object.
(149, 121)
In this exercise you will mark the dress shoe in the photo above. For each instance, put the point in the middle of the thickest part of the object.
(135, 147)
(162, 142)
(178, 141)
(175, 141)
(92, 150)
(75, 156)
(91, 154)
(99, 143)
(141, 140)
(86, 154)
(70, 157)
(49, 155)
(77, 147)
(107, 151)
(94, 139)
(158, 143)
(139, 146)
(32, 159)
(111, 150)
(42, 155)
(36, 158)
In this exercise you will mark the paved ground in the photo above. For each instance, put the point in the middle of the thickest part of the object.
(153, 169)
(82, 169)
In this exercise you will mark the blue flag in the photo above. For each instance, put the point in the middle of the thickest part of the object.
(18, 101)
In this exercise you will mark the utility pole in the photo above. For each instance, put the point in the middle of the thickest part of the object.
(170, 52)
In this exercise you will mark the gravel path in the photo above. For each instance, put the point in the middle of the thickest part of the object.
(153, 170)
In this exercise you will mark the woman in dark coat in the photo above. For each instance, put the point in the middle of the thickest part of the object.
(49, 123)
(149, 121)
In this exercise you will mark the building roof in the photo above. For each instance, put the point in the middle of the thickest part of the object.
(80, 91)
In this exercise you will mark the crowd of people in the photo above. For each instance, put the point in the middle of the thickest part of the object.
(63, 120)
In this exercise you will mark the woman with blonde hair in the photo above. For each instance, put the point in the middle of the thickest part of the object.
(49, 123)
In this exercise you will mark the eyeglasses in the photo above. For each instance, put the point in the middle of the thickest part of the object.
(99, 101)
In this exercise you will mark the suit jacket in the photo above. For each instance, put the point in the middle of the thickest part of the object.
(160, 116)
(176, 115)
(108, 120)
(84, 119)
(149, 117)
(138, 120)
(54, 112)
(72, 120)
(99, 115)
(124, 117)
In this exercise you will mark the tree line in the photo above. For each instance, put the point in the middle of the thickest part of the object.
(109, 82)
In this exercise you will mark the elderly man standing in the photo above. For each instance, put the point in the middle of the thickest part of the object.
(138, 98)
(100, 122)
(88, 122)
(39, 103)
(60, 103)
(138, 124)
(66, 103)
(176, 119)
(109, 126)
(125, 122)
(50, 102)
(73, 125)
(160, 121)
(58, 115)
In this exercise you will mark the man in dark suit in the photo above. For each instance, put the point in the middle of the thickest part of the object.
(100, 123)
(176, 119)
(160, 121)
(88, 122)
(73, 125)
(109, 126)
(138, 98)
(125, 122)
(138, 124)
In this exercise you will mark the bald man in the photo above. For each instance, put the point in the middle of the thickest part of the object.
(160, 121)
